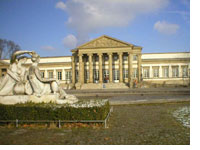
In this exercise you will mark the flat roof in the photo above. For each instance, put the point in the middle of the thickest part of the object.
(166, 53)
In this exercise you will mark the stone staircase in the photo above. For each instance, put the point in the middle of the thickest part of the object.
(104, 86)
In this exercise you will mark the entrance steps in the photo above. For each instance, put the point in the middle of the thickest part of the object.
(104, 86)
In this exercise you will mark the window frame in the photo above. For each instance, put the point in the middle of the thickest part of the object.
(116, 74)
(125, 73)
(175, 71)
(135, 57)
(135, 72)
(146, 74)
(155, 72)
(184, 67)
(68, 75)
(49, 74)
(59, 75)
(164, 72)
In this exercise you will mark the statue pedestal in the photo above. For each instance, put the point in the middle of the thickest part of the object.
(14, 99)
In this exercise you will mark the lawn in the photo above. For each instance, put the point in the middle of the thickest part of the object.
(129, 124)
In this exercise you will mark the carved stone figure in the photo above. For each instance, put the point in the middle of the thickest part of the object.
(23, 82)
(16, 76)
(43, 86)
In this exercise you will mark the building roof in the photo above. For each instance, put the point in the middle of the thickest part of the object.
(104, 41)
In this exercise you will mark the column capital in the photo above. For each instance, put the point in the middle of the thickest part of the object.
(110, 54)
(130, 53)
(120, 53)
(80, 54)
(99, 54)
(73, 58)
(90, 54)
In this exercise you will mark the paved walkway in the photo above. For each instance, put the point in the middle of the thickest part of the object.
(136, 95)
(124, 100)
(134, 90)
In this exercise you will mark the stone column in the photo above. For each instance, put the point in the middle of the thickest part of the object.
(139, 67)
(110, 68)
(120, 67)
(150, 72)
(45, 74)
(54, 73)
(100, 67)
(130, 69)
(73, 69)
(81, 69)
(180, 71)
(189, 70)
(170, 71)
(90, 68)
(63, 74)
(160, 71)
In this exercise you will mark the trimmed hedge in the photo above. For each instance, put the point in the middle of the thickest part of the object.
(31, 111)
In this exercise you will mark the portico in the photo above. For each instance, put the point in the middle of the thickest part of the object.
(105, 60)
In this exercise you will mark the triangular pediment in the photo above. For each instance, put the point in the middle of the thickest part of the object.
(105, 42)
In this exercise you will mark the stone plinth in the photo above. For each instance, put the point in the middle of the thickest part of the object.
(53, 98)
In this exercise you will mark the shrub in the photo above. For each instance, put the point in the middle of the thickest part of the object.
(50, 111)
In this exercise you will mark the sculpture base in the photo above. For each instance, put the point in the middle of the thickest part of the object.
(16, 99)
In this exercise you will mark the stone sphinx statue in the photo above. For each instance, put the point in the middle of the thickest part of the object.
(23, 84)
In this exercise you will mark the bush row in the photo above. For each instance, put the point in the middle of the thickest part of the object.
(41, 111)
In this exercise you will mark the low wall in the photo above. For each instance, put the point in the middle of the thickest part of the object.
(171, 82)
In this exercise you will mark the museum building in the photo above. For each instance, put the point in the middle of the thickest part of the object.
(109, 63)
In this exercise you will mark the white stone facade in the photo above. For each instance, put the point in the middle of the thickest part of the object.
(117, 62)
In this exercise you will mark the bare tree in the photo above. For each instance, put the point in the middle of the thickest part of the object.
(7, 48)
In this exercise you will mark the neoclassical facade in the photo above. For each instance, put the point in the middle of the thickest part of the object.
(107, 62)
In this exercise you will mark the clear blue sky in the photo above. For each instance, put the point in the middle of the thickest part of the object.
(53, 27)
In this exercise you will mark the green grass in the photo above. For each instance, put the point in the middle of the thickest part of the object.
(129, 124)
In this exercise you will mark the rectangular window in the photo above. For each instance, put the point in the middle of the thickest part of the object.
(134, 57)
(96, 75)
(125, 57)
(175, 72)
(146, 72)
(125, 73)
(68, 75)
(135, 73)
(3, 72)
(42, 73)
(105, 58)
(165, 72)
(116, 74)
(77, 75)
(96, 58)
(115, 57)
(156, 72)
(106, 75)
(185, 71)
(59, 75)
(77, 59)
(86, 59)
(50, 74)
(86, 72)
